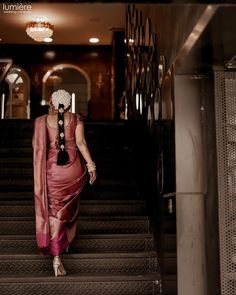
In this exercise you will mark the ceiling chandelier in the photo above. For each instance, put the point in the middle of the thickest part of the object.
(40, 30)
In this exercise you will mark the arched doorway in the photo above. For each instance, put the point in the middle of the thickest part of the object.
(18, 101)
(74, 80)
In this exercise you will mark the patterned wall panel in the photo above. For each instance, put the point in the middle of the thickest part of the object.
(225, 91)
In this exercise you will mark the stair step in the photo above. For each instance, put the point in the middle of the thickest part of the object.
(20, 244)
(88, 193)
(113, 130)
(15, 172)
(170, 263)
(11, 179)
(27, 172)
(111, 136)
(92, 126)
(170, 285)
(83, 284)
(17, 132)
(170, 242)
(16, 142)
(19, 151)
(102, 162)
(26, 124)
(98, 141)
(100, 152)
(169, 225)
(114, 134)
(100, 135)
(87, 207)
(107, 150)
(125, 263)
(12, 160)
(27, 183)
(86, 225)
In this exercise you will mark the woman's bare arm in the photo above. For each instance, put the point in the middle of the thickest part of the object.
(84, 150)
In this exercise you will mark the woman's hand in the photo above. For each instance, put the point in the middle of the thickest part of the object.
(92, 176)
(92, 171)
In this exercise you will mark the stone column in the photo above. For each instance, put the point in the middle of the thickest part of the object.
(190, 187)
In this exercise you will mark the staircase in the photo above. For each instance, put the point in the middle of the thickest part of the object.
(114, 252)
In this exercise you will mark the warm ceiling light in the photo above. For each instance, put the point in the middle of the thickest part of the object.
(50, 54)
(93, 40)
(39, 30)
(48, 40)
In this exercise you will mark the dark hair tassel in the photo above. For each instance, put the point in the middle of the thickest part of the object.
(62, 157)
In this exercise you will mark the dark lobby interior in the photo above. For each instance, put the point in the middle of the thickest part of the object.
(157, 94)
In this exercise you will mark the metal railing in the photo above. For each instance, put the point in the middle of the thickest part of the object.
(225, 102)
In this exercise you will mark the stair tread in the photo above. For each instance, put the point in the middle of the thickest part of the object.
(105, 195)
(170, 254)
(131, 217)
(83, 236)
(170, 277)
(87, 208)
(80, 277)
(85, 202)
(29, 181)
(105, 255)
(111, 148)
(83, 243)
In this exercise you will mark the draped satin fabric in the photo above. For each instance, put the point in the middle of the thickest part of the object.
(56, 188)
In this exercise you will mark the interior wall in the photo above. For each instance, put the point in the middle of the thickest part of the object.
(94, 60)
(196, 185)
(173, 24)
(190, 187)
(197, 214)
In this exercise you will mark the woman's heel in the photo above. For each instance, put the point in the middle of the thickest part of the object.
(58, 267)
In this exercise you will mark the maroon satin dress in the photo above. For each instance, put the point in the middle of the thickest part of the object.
(64, 185)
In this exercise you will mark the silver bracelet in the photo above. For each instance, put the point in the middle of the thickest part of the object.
(91, 166)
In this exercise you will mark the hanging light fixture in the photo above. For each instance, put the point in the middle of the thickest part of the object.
(39, 30)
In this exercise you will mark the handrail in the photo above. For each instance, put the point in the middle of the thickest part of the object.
(175, 194)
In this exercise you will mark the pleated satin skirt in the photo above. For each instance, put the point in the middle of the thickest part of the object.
(64, 185)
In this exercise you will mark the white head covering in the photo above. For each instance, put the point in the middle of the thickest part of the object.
(61, 97)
